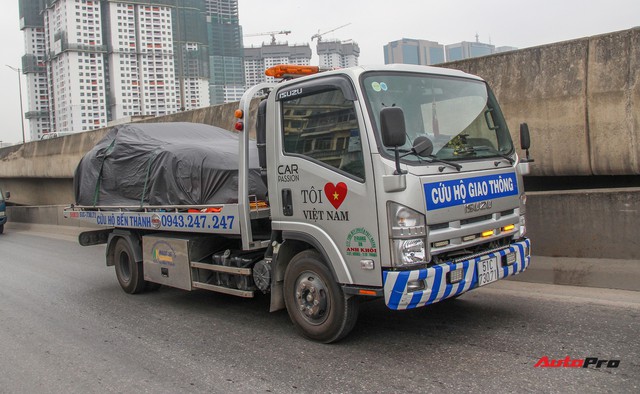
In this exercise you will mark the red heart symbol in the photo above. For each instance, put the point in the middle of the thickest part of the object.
(335, 193)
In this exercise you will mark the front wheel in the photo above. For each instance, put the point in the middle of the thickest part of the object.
(128, 271)
(316, 304)
(1, 228)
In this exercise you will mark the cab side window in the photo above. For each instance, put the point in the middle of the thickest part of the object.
(323, 126)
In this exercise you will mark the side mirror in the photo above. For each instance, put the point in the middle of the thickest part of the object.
(393, 131)
(392, 127)
(7, 195)
(525, 141)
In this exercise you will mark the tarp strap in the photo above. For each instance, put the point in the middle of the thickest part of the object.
(107, 151)
(146, 177)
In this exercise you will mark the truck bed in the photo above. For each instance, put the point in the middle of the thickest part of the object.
(207, 219)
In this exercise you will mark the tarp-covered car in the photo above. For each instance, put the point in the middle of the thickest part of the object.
(146, 164)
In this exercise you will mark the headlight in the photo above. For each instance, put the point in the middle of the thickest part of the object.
(409, 252)
(406, 217)
(407, 231)
(2, 213)
(402, 218)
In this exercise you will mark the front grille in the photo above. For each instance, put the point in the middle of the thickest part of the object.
(464, 237)
(459, 255)
(476, 219)
(438, 226)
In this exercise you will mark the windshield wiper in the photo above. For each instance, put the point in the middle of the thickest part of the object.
(436, 160)
(493, 151)
(430, 159)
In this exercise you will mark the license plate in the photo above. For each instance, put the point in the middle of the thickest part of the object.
(487, 271)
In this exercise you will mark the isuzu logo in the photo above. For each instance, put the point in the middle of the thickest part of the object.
(477, 206)
(289, 93)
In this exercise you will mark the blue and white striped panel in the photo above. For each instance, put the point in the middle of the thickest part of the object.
(522, 260)
(395, 285)
(395, 282)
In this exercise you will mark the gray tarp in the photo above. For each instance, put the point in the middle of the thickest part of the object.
(167, 163)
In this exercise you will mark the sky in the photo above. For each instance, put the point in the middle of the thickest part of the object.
(371, 24)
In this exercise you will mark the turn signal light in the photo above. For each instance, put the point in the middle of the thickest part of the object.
(239, 114)
(508, 228)
(487, 233)
(281, 70)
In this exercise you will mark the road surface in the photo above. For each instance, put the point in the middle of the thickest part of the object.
(67, 327)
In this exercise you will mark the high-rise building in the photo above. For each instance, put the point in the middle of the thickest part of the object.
(140, 60)
(75, 56)
(258, 59)
(338, 54)
(191, 52)
(33, 66)
(89, 62)
(466, 50)
(411, 51)
(226, 66)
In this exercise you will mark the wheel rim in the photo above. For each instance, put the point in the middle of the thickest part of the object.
(125, 266)
(312, 298)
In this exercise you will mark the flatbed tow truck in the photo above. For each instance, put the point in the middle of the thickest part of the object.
(398, 182)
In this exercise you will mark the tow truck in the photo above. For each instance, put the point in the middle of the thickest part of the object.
(395, 182)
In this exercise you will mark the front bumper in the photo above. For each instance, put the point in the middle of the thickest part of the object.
(3, 220)
(437, 288)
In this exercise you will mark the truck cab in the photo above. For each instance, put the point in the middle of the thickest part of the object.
(402, 181)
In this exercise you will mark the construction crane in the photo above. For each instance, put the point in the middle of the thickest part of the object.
(319, 35)
(270, 33)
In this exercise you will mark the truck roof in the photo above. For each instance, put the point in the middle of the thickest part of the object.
(356, 71)
(418, 69)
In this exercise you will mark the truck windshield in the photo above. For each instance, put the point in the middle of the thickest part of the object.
(460, 116)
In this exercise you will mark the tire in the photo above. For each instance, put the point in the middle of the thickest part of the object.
(316, 304)
(1, 228)
(128, 271)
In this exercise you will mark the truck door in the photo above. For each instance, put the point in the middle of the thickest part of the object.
(324, 176)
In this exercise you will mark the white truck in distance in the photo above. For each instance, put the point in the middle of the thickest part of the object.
(399, 182)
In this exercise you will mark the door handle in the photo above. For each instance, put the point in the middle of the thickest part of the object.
(287, 202)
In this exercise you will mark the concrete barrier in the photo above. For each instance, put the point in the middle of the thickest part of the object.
(600, 223)
(43, 215)
(581, 99)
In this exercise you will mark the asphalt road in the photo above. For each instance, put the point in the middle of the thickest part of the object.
(67, 327)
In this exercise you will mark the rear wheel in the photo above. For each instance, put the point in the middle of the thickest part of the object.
(316, 304)
(128, 271)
